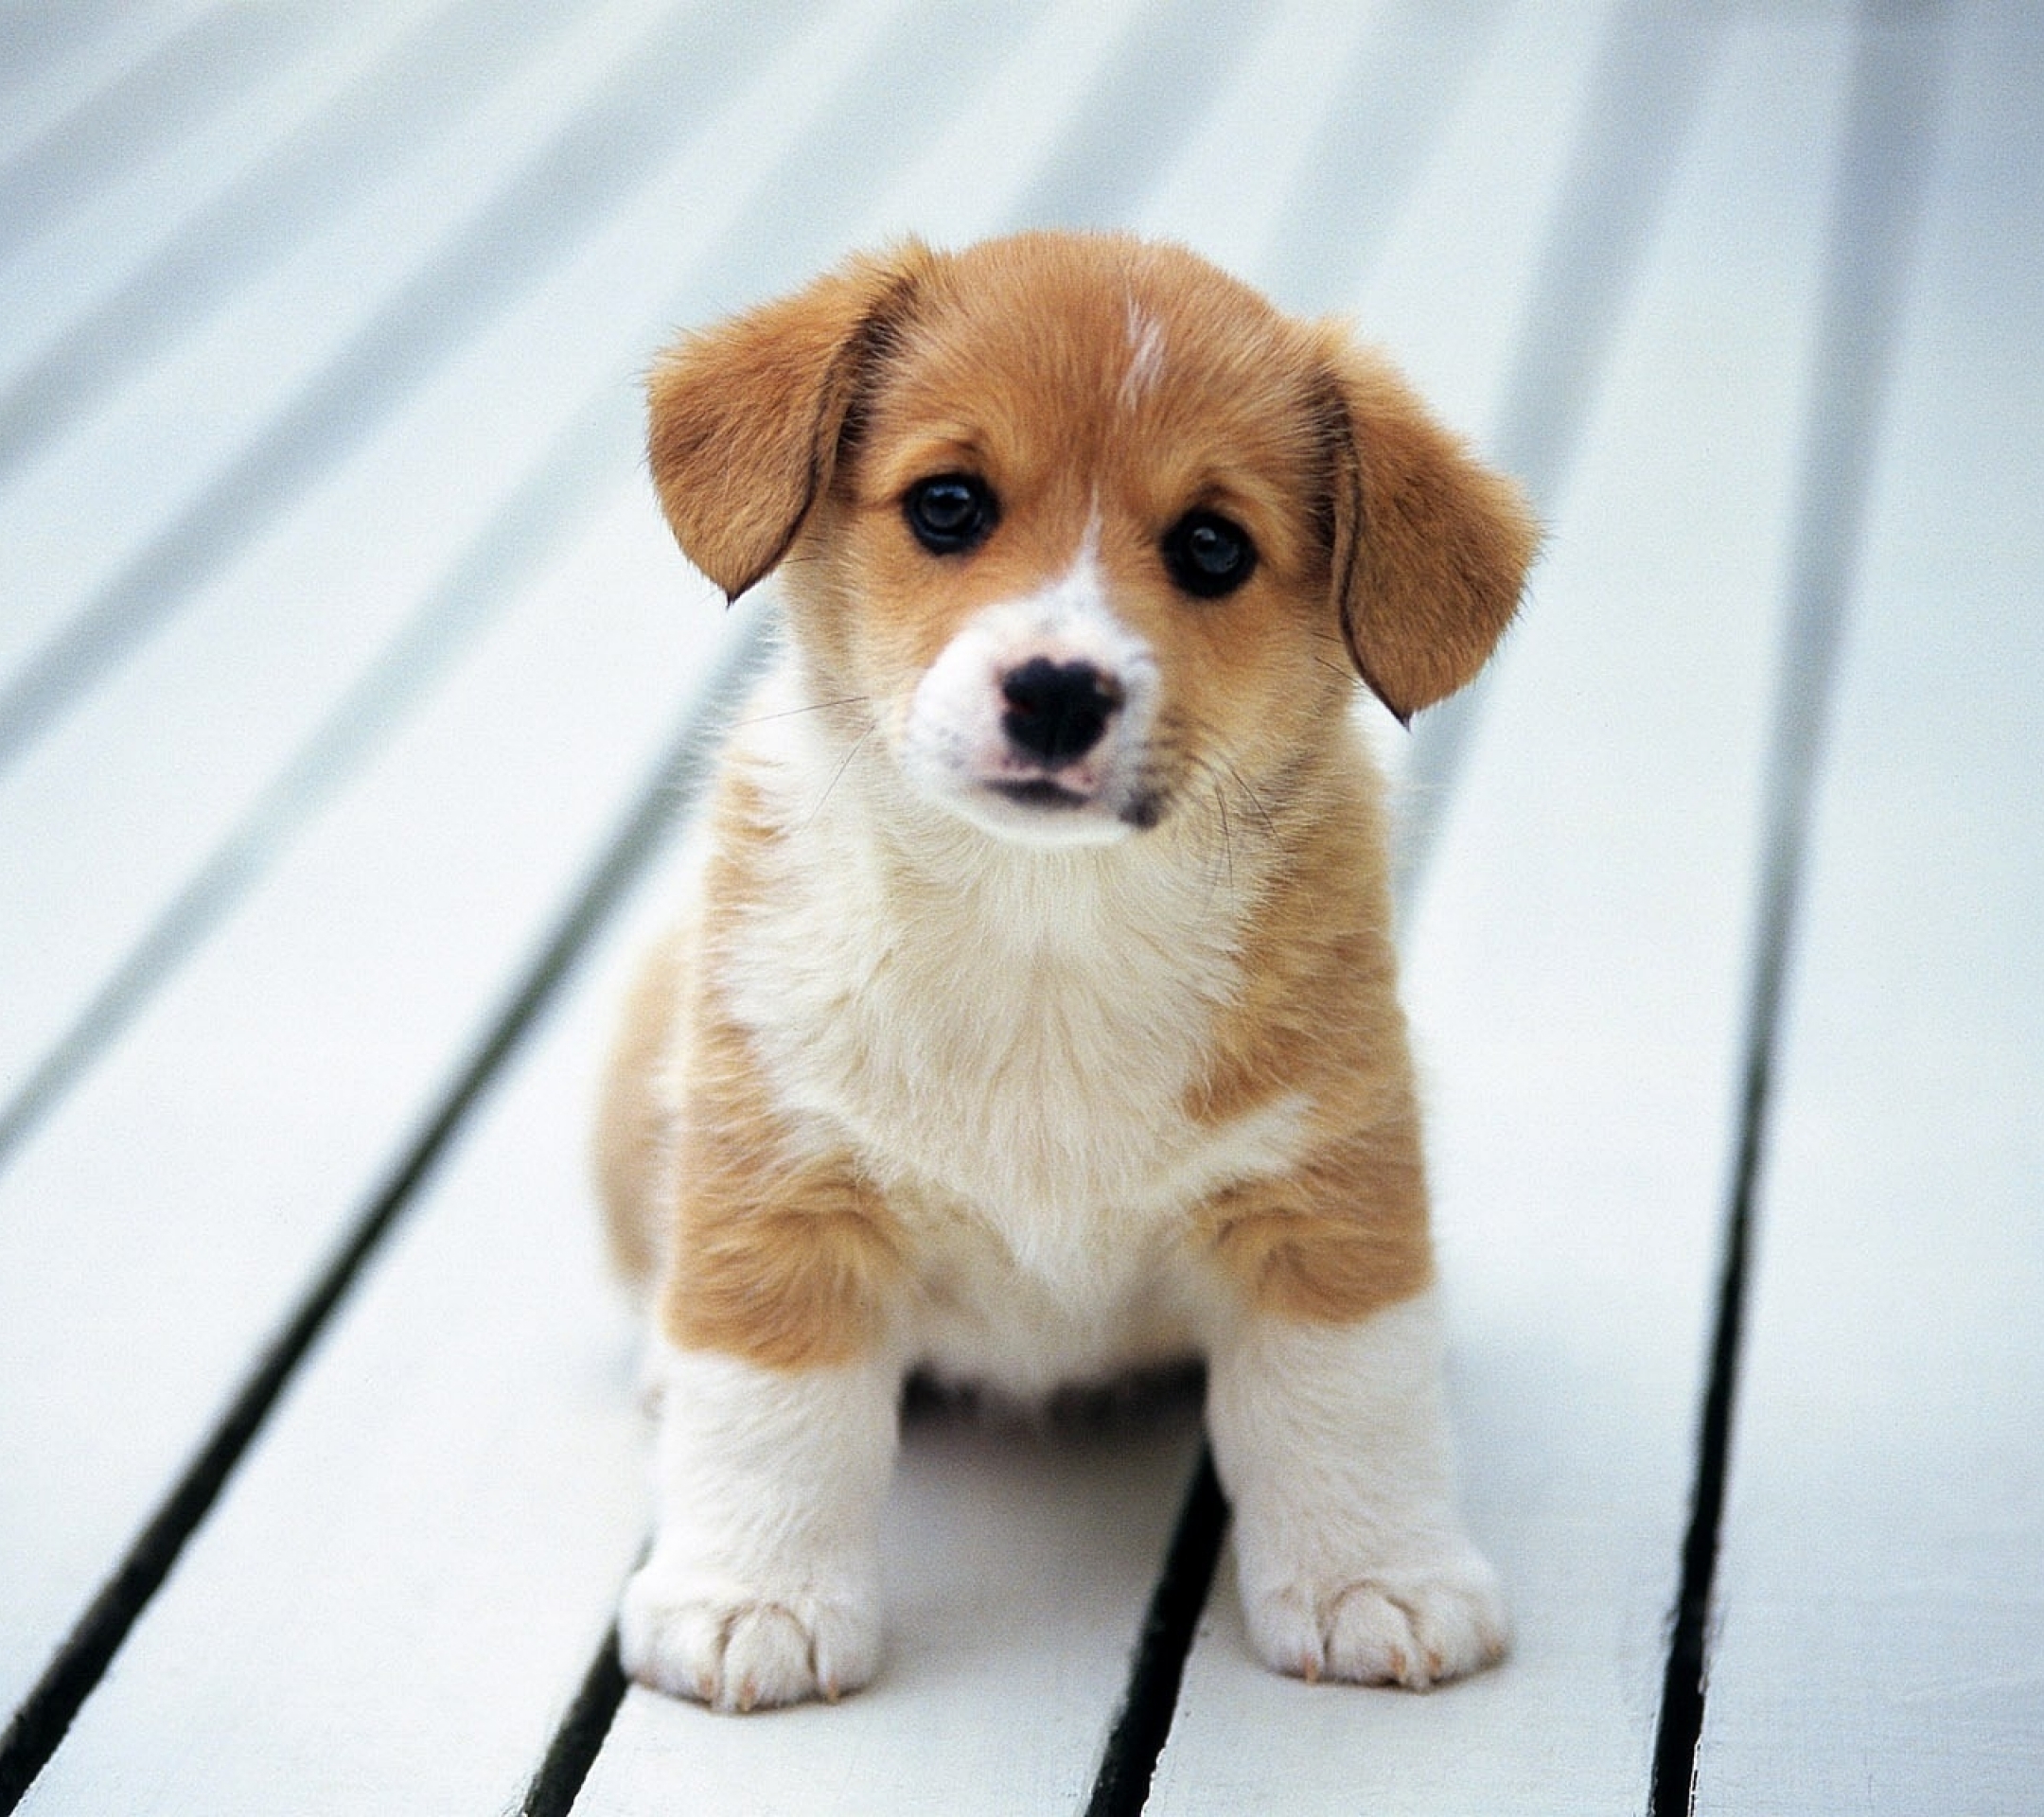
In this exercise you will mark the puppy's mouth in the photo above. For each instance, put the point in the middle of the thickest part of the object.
(1141, 811)
(1043, 792)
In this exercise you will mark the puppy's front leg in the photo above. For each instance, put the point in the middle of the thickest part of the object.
(762, 1585)
(1332, 1443)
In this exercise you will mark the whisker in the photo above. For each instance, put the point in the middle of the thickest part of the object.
(1228, 836)
(844, 762)
(1255, 801)
(818, 706)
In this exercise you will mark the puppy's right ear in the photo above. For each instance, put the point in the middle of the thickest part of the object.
(745, 418)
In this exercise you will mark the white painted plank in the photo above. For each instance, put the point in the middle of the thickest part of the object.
(178, 746)
(966, 183)
(1482, 207)
(52, 64)
(331, 152)
(156, 1233)
(1879, 1627)
(1459, 264)
(1575, 976)
(112, 507)
(158, 91)
(1225, 188)
(395, 1630)
(128, 172)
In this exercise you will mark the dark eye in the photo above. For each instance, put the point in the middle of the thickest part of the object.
(1206, 555)
(950, 513)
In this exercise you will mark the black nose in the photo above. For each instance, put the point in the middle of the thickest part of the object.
(1057, 711)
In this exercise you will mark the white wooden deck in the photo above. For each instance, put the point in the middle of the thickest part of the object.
(350, 694)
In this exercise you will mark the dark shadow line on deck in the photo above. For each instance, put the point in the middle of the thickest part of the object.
(1887, 151)
(580, 1737)
(482, 265)
(39, 1725)
(1151, 1702)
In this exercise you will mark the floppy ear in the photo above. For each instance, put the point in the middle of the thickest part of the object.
(745, 418)
(1430, 547)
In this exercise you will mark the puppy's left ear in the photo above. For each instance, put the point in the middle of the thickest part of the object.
(1430, 547)
(745, 418)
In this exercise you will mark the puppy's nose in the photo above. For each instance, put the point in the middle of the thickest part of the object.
(1057, 711)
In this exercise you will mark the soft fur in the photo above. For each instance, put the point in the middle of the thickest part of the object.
(1028, 1067)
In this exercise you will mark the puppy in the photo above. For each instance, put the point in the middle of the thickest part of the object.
(1031, 1019)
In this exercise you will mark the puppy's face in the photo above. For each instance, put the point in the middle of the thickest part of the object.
(1075, 556)
(1090, 530)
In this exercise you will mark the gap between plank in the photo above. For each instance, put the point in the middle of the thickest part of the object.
(1122, 1785)
(580, 1737)
(1888, 146)
(38, 1727)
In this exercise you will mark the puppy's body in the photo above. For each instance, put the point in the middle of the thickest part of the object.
(1032, 1018)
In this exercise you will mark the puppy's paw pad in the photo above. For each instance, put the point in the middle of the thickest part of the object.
(741, 1653)
(1416, 1628)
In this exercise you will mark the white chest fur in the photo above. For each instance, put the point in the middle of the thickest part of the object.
(1006, 1038)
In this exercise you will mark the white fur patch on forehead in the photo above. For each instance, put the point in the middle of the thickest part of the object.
(1146, 355)
(1071, 619)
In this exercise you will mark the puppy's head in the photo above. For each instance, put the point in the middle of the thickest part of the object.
(1088, 526)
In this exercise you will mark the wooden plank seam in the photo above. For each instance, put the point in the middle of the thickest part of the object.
(1880, 181)
(580, 1737)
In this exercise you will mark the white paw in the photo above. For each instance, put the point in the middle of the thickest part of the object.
(1417, 1626)
(735, 1651)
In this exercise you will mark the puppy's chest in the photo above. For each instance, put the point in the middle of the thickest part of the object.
(1026, 1053)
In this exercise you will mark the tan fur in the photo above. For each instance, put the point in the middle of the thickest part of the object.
(633, 1133)
(746, 421)
(1318, 1017)
(1431, 549)
(1102, 387)
(780, 1253)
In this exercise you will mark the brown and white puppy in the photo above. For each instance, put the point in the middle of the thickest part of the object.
(1032, 1017)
